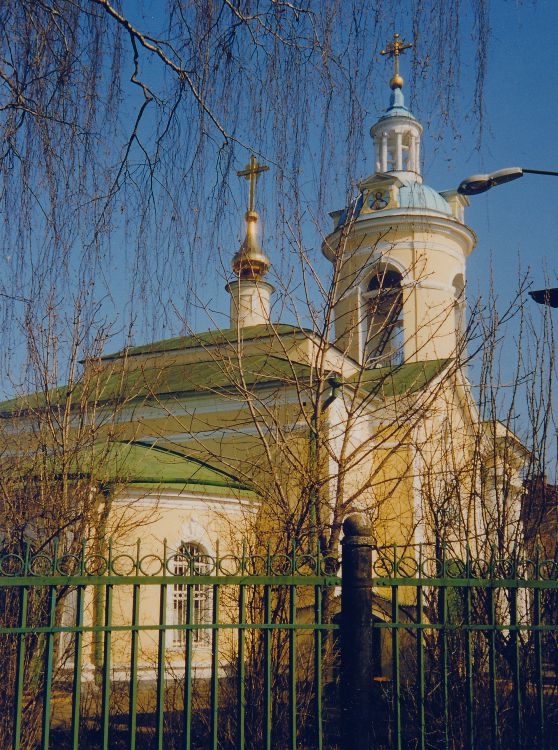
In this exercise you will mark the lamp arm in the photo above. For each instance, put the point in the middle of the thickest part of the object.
(539, 171)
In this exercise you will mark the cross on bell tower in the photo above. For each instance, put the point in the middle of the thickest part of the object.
(397, 133)
(393, 50)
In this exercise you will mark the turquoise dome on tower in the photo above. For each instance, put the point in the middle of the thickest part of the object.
(420, 196)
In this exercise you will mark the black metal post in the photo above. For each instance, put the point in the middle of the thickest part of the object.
(356, 635)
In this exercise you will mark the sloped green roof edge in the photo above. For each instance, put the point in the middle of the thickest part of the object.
(143, 462)
(140, 463)
(214, 375)
(214, 337)
(398, 380)
(168, 380)
(14, 406)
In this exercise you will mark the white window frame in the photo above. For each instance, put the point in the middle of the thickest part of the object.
(195, 562)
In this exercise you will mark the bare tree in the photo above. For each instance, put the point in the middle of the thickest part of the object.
(60, 471)
(109, 120)
(121, 127)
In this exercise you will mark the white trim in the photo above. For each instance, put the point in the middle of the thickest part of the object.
(146, 671)
(384, 250)
(437, 285)
(182, 437)
(417, 469)
(185, 437)
(410, 220)
(387, 262)
(186, 501)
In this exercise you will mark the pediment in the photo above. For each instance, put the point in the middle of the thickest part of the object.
(380, 180)
(379, 191)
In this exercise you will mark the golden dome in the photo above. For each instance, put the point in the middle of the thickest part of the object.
(250, 262)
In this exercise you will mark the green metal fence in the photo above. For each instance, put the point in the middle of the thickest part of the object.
(228, 652)
(474, 658)
(464, 651)
(188, 651)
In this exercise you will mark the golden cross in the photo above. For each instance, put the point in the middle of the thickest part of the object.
(252, 172)
(394, 49)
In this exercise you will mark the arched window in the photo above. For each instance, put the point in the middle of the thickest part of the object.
(384, 318)
(191, 560)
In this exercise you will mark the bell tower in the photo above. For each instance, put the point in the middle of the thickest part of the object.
(401, 250)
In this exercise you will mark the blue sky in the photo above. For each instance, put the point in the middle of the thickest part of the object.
(517, 224)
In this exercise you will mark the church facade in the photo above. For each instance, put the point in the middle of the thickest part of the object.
(267, 431)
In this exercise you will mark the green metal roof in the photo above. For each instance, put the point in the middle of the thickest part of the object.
(141, 463)
(208, 338)
(172, 379)
(397, 380)
(212, 376)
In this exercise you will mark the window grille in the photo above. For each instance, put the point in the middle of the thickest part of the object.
(191, 561)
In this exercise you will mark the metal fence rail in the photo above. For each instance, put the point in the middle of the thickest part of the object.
(463, 654)
(235, 682)
(189, 651)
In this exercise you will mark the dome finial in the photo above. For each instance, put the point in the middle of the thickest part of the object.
(394, 49)
(250, 262)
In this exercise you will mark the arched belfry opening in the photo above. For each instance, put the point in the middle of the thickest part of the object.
(384, 317)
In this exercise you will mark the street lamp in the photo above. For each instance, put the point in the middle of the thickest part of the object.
(480, 183)
(547, 297)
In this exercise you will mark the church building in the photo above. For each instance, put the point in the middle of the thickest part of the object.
(268, 432)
